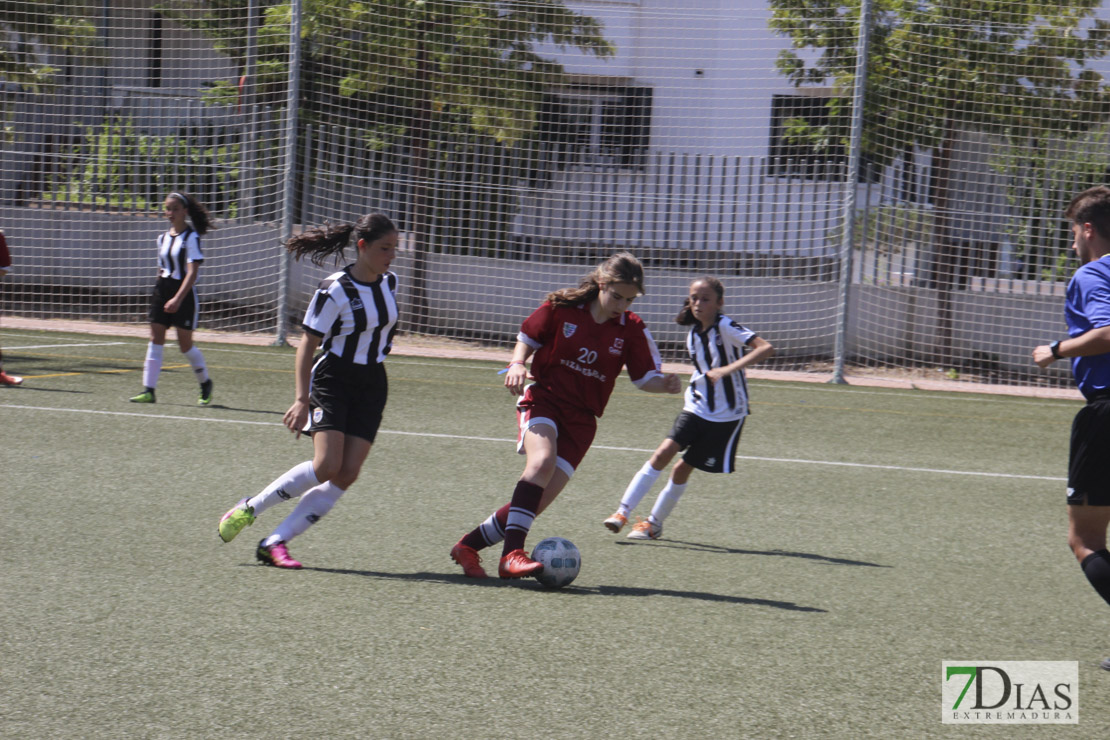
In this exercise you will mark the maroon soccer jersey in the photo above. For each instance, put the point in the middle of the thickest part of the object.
(577, 360)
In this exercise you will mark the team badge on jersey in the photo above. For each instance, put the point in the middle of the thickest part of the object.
(356, 304)
(569, 329)
(618, 346)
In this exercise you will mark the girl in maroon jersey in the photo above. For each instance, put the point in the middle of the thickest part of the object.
(5, 265)
(579, 340)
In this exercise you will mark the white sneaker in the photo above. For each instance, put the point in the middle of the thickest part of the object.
(616, 522)
(646, 530)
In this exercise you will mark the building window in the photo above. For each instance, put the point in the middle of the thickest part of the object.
(592, 125)
(154, 52)
(791, 157)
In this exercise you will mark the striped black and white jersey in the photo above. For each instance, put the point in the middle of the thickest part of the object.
(721, 344)
(356, 320)
(177, 250)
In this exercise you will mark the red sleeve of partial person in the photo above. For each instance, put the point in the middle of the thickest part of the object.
(5, 257)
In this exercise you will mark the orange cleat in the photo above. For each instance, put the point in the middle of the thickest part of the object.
(469, 559)
(517, 564)
(12, 380)
(616, 522)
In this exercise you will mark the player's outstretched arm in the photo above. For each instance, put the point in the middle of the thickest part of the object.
(669, 383)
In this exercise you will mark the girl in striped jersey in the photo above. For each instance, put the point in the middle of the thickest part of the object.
(341, 393)
(174, 300)
(716, 404)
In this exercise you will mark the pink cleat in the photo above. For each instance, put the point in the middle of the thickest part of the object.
(276, 555)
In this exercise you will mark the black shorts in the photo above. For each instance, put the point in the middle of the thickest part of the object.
(185, 317)
(1088, 460)
(710, 445)
(347, 398)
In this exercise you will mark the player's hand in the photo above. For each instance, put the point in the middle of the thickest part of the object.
(671, 383)
(1042, 356)
(172, 305)
(296, 417)
(516, 378)
(715, 375)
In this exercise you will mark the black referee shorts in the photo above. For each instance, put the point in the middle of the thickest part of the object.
(347, 398)
(1089, 458)
(185, 317)
(710, 445)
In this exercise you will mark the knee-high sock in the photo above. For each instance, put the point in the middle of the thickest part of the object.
(152, 366)
(640, 484)
(1096, 567)
(309, 510)
(489, 532)
(196, 359)
(291, 484)
(522, 512)
(668, 497)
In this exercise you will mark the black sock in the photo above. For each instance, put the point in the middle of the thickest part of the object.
(526, 499)
(1096, 567)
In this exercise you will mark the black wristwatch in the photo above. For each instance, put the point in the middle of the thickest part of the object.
(1054, 348)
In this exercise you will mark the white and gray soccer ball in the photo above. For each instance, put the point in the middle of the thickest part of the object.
(561, 561)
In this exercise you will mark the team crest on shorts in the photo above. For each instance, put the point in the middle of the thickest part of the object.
(569, 329)
(317, 415)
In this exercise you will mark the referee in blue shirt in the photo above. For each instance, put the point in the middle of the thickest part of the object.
(1088, 348)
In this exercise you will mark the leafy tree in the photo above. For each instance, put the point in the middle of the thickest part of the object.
(1010, 68)
(404, 68)
(34, 36)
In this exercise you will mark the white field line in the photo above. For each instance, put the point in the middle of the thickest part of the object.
(13, 348)
(792, 461)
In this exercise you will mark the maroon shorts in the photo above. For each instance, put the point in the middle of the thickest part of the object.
(574, 428)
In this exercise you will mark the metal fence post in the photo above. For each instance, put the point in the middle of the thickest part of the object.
(855, 153)
(290, 169)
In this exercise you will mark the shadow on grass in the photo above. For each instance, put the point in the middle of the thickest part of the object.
(222, 407)
(571, 590)
(702, 547)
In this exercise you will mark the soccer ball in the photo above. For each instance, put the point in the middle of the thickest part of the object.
(561, 561)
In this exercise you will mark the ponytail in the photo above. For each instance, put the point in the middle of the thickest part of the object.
(622, 267)
(319, 243)
(198, 214)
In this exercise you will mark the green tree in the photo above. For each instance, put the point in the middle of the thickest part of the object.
(35, 40)
(404, 68)
(1014, 69)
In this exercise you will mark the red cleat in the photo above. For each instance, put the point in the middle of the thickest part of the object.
(12, 380)
(517, 564)
(469, 559)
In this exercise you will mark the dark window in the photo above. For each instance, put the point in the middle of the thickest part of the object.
(595, 125)
(791, 155)
(154, 52)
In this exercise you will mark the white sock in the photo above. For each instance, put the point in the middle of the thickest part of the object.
(519, 519)
(196, 359)
(491, 530)
(668, 497)
(153, 364)
(641, 483)
(309, 510)
(291, 484)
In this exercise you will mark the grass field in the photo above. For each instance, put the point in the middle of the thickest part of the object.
(869, 535)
